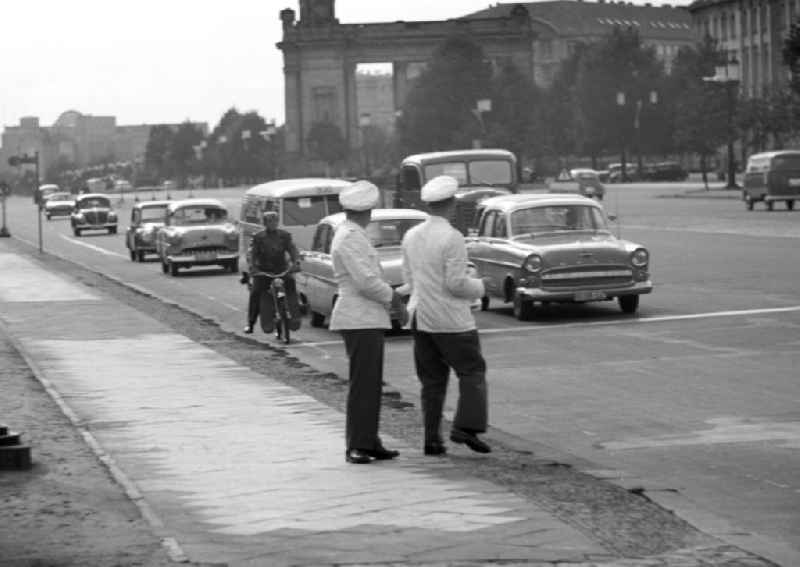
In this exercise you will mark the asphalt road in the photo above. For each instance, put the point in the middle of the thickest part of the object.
(694, 399)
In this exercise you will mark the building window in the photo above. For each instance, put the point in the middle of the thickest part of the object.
(324, 104)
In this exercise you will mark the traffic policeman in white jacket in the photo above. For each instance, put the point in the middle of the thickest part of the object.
(361, 314)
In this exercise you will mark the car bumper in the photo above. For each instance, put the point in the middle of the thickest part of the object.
(584, 295)
(103, 226)
(201, 259)
(784, 197)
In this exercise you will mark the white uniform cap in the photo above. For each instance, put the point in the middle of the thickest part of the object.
(360, 196)
(439, 188)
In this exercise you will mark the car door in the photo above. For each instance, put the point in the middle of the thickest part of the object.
(130, 238)
(312, 267)
(478, 249)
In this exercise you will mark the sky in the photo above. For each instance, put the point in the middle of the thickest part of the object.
(162, 61)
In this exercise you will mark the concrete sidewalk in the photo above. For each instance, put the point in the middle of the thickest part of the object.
(229, 466)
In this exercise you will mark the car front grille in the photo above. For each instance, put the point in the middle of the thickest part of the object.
(95, 217)
(206, 250)
(587, 276)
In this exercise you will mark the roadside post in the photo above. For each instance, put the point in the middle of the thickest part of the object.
(5, 190)
(16, 161)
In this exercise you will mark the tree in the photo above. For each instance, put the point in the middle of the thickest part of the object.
(438, 113)
(326, 143)
(156, 154)
(791, 55)
(181, 153)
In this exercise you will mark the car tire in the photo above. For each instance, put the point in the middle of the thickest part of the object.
(789, 205)
(233, 265)
(523, 308)
(748, 201)
(76, 231)
(164, 266)
(628, 303)
(485, 303)
(140, 255)
(132, 254)
(770, 205)
(317, 319)
(112, 230)
(173, 269)
(47, 217)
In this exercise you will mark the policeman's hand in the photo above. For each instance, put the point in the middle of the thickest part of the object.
(245, 279)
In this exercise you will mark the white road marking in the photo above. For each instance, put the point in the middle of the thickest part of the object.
(181, 419)
(723, 430)
(757, 233)
(92, 247)
(664, 319)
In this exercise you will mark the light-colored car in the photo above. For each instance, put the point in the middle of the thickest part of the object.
(583, 181)
(93, 211)
(316, 286)
(146, 218)
(197, 232)
(59, 204)
(553, 248)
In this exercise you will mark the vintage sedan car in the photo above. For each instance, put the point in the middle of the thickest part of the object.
(316, 286)
(552, 248)
(59, 204)
(93, 211)
(582, 181)
(146, 218)
(197, 232)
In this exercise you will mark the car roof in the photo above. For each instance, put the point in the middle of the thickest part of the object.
(769, 155)
(432, 157)
(300, 186)
(143, 204)
(175, 205)
(91, 195)
(48, 186)
(379, 215)
(520, 200)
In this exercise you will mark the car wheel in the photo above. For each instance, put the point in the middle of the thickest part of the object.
(112, 230)
(317, 319)
(628, 303)
(173, 269)
(484, 303)
(748, 201)
(770, 205)
(789, 205)
(233, 265)
(133, 255)
(164, 266)
(76, 231)
(140, 255)
(523, 308)
(48, 217)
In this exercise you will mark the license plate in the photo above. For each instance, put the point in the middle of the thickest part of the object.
(206, 256)
(794, 182)
(589, 295)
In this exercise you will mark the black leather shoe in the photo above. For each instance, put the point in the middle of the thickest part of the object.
(357, 457)
(382, 453)
(470, 440)
(435, 448)
(248, 330)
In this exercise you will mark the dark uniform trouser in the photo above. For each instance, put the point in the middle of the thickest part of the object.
(434, 355)
(365, 351)
(261, 302)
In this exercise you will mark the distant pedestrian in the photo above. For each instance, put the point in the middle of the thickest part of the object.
(361, 314)
(445, 335)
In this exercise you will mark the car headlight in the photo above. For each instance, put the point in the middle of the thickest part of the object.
(112, 216)
(640, 257)
(533, 263)
(79, 216)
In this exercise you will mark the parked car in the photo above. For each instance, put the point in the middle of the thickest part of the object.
(146, 218)
(615, 173)
(551, 248)
(664, 171)
(197, 232)
(316, 286)
(582, 181)
(59, 204)
(42, 192)
(772, 176)
(93, 211)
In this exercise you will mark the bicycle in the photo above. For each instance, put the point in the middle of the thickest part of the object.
(280, 303)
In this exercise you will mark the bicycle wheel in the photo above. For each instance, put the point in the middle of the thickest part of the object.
(283, 315)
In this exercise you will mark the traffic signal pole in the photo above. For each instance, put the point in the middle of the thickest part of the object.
(3, 230)
(41, 203)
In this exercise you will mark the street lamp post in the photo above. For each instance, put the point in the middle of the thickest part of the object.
(268, 136)
(637, 131)
(481, 106)
(364, 122)
(727, 75)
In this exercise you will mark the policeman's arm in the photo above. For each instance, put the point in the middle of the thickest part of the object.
(408, 286)
(455, 271)
(368, 281)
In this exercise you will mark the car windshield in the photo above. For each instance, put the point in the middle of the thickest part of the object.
(199, 214)
(556, 218)
(59, 197)
(584, 174)
(94, 202)
(154, 214)
(389, 232)
(478, 172)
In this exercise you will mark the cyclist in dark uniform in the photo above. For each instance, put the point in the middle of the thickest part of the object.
(267, 253)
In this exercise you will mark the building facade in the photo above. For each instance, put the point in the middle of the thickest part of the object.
(321, 55)
(77, 139)
(752, 32)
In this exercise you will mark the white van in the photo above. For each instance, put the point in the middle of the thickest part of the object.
(301, 204)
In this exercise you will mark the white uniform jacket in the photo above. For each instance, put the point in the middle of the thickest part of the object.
(364, 296)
